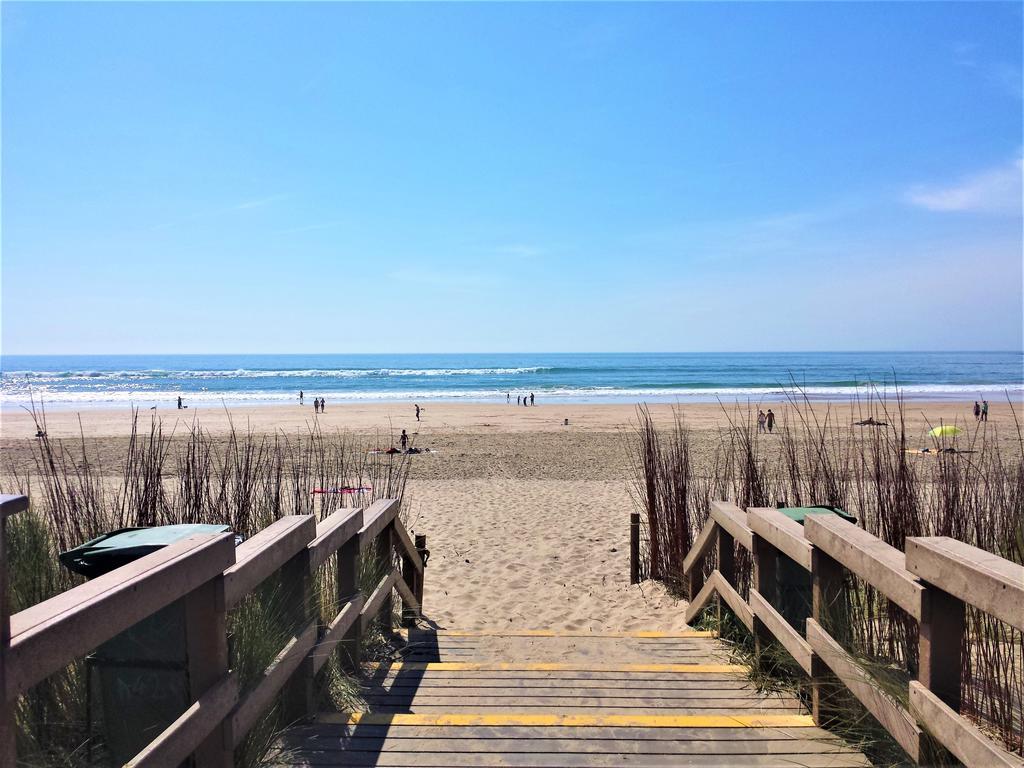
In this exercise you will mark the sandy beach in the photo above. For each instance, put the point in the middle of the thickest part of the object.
(526, 516)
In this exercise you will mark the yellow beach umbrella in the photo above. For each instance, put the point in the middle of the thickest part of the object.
(946, 430)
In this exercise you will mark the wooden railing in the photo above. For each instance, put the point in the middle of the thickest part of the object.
(211, 576)
(933, 582)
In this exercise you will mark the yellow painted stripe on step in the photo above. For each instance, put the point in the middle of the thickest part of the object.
(550, 633)
(585, 721)
(511, 666)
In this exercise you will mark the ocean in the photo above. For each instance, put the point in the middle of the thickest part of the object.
(145, 380)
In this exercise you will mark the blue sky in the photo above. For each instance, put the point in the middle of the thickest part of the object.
(511, 177)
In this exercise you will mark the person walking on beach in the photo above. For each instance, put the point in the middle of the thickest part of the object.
(417, 414)
(769, 420)
(531, 398)
(179, 402)
(984, 410)
(518, 399)
(316, 405)
(508, 398)
(404, 440)
(977, 411)
(300, 397)
(760, 420)
(322, 404)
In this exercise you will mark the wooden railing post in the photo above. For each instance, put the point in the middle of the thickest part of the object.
(421, 549)
(207, 644)
(299, 694)
(826, 602)
(940, 641)
(9, 505)
(765, 558)
(411, 576)
(634, 548)
(385, 553)
(725, 545)
(348, 588)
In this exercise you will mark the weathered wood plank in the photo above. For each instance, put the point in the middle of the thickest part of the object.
(48, 636)
(870, 558)
(977, 577)
(408, 548)
(957, 734)
(567, 704)
(781, 630)
(12, 504)
(701, 546)
(263, 554)
(184, 735)
(332, 532)
(529, 666)
(734, 521)
(716, 584)
(572, 690)
(645, 743)
(407, 596)
(551, 719)
(784, 534)
(256, 701)
(890, 713)
(376, 518)
(336, 631)
(571, 760)
(377, 599)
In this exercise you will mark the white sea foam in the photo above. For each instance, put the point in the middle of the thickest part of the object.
(246, 373)
(564, 394)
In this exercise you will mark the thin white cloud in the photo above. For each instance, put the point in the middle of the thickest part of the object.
(258, 203)
(996, 190)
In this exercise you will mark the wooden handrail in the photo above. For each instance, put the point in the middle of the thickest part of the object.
(979, 578)
(265, 553)
(932, 582)
(47, 636)
(734, 522)
(211, 575)
(880, 565)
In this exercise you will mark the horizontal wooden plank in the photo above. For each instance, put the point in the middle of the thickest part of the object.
(12, 504)
(408, 598)
(705, 539)
(262, 695)
(977, 577)
(377, 598)
(335, 632)
(686, 634)
(50, 635)
(408, 548)
(571, 760)
(334, 727)
(879, 564)
(590, 721)
(652, 745)
(595, 666)
(782, 631)
(376, 518)
(784, 534)
(181, 738)
(605, 691)
(957, 734)
(889, 712)
(332, 532)
(734, 521)
(676, 685)
(651, 704)
(265, 553)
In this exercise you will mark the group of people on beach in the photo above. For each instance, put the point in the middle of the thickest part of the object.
(765, 420)
(520, 399)
(318, 402)
(981, 411)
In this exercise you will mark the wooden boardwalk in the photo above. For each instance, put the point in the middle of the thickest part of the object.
(547, 699)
